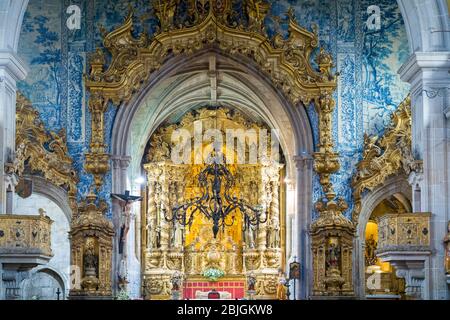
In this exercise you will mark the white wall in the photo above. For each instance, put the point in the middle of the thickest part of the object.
(60, 261)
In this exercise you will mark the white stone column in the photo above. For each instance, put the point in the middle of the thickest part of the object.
(120, 166)
(302, 244)
(12, 69)
(428, 74)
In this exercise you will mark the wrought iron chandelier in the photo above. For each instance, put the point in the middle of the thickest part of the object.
(215, 204)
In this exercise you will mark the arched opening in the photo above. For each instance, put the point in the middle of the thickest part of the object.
(45, 285)
(381, 280)
(392, 197)
(209, 79)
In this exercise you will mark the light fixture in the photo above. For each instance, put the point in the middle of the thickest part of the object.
(139, 180)
(215, 202)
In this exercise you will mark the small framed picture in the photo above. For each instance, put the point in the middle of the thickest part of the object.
(294, 270)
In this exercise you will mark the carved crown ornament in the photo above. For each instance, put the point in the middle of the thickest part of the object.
(386, 156)
(41, 152)
(211, 24)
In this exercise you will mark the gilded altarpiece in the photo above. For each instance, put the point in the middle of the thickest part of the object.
(170, 246)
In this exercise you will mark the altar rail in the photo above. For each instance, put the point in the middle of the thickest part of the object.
(22, 234)
(404, 232)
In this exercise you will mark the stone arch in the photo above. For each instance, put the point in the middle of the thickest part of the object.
(427, 24)
(60, 278)
(256, 83)
(257, 96)
(53, 192)
(10, 26)
(397, 184)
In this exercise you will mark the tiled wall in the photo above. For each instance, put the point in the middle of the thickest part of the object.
(368, 60)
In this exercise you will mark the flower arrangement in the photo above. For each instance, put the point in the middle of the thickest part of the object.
(213, 274)
(123, 295)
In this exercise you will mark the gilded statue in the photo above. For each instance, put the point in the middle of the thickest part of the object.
(159, 150)
(250, 234)
(281, 287)
(233, 259)
(251, 282)
(152, 233)
(176, 280)
(274, 233)
(447, 250)
(90, 259)
(333, 255)
(257, 11)
(165, 11)
(371, 247)
(178, 235)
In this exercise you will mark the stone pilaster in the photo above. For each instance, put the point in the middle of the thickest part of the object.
(301, 243)
(12, 69)
(428, 74)
(120, 165)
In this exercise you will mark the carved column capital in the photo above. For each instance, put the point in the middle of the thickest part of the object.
(120, 162)
(415, 179)
(304, 161)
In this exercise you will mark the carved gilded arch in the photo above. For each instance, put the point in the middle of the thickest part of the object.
(385, 156)
(41, 152)
(287, 62)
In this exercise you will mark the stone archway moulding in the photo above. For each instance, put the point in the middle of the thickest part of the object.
(242, 87)
(286, 62)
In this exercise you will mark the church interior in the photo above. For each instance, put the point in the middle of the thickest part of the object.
(224, 149)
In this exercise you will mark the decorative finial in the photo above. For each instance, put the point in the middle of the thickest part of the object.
(291, 13)
(103, 30)
(91, 197)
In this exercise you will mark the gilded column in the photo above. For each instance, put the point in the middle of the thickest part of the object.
(163, 207)
(151, 217)
(97, 160)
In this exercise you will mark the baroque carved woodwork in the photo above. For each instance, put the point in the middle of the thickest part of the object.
(26, 234)
(404, 232)
(447, 250)
(386, 156)
(332, 248)
(171, 247)
(41, 152)
(214, 25)
(91, 238)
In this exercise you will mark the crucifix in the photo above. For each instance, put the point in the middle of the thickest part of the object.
(58, 292)
(125, 200)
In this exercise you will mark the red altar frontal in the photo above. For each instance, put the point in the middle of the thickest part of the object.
(197, 289)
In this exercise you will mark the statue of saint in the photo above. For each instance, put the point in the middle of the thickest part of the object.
(250, 237)
(333, 256)
(176, 280)
(274, 233)
(178, 234)
(152, 235)
(251, 282)
(90, 259)
(281, 287)
(232, 259)
(371, 247)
